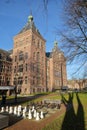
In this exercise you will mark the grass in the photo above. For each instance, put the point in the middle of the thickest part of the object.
(73, 119)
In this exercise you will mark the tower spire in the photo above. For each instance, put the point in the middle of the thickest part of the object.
(55, 43)
(30, 17)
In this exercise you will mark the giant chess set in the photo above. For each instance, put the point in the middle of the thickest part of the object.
(34, 111)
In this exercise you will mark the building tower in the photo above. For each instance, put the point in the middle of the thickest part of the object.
(29, 68)
(56, 69)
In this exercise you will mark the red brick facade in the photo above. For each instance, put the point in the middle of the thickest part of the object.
(5, 68)
(34, 70)
(56, 69)
(29, 61)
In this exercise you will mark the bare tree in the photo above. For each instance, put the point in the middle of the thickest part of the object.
(74, 33)
(75, 37)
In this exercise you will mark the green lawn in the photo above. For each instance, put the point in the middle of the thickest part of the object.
(74, 118)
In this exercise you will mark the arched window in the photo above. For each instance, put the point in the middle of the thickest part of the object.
(38, 56)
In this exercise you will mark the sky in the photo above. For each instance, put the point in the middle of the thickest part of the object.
(14, 15)
(48, 19)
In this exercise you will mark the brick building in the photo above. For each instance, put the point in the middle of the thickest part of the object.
(29, 60)
(77, 84)
(56, 69)
(5, 67)
(34, 70)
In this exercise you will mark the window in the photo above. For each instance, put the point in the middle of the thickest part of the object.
(25, 79)
(26, 67)
(38, 45)
(21, 68)
(38, 56)
(0, 69)
(34, 80)
(38, 68)
(8, 68)
(38, 80)
(34, 56)
(20, 55)
(15, 58)
(14, 69)
(15, 81)
(43, 60)
(26, 55)
(20, 80)
(42, 47)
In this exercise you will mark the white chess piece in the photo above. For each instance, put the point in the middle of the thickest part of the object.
(33, 109)
(15, 110)
(35, 113)
(37, 116)
(18, 113)
(10, 110)
(25, 108)
(24, 113)
(41, 115)
(2, 109)
(6, 109)
(19, 108)
(29, 114)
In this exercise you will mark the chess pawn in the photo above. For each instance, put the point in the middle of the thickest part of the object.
(32, 108)
(19, 108)
(24, 113)
(15, 110)
(41, 115)
(10, 110)
(25, 108)
(18, 113)
(37, 116)
(29, 114)
(34, 113)
(6, 109)
(2, 109)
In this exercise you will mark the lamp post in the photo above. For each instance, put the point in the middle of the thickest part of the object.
(61, 76)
